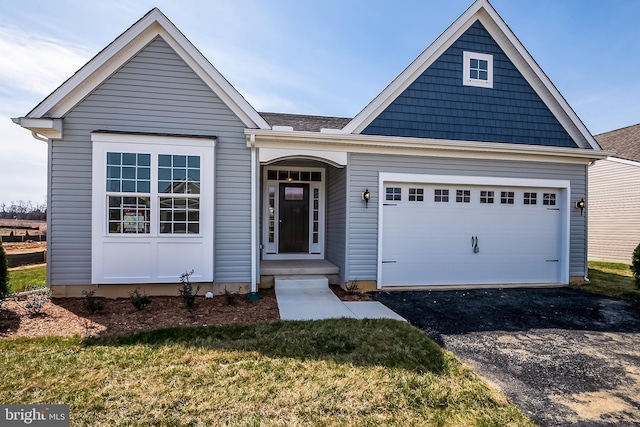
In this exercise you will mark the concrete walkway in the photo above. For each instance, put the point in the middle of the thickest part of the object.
(312, 299)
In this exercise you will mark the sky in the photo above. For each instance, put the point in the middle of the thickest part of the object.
(324, 57)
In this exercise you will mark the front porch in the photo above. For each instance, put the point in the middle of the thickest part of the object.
(269, 269)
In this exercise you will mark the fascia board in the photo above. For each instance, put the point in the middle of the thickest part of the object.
(82, 78)
(538, 75)
(508, 42)
(440, 147)
(110, 59)
(413, 71)
(213, 78)
(623, 161)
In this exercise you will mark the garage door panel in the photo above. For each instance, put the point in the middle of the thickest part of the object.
(430, 243)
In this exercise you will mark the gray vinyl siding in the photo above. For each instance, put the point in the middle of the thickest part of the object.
(614, 211)
(336, 217)
(154, 92)
(362, 227)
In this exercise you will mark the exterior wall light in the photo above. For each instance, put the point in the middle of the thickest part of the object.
(580, 205)
(366, 196)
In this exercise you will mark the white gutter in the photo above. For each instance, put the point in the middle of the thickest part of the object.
(41, 129)
(384, 144)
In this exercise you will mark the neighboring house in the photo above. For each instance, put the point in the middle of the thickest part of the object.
(614, 197)
(465, 170)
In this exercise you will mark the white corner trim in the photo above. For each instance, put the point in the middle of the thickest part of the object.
(123, 48)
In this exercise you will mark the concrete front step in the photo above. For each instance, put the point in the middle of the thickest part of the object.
(301, 282)
(298, 267)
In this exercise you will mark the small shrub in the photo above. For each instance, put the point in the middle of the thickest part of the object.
(635, 265)
(11, 234)
(36, 301)
(231, 298)
(186, 290)
(139, 300)
(92, 303)
(4, 274)
(26, 233)
(353, 286)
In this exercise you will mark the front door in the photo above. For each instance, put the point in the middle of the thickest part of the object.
(294, 218)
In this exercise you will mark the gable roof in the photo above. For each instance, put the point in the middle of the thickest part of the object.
(122, 49)
(480, 10)
(305, 123)
(625, 142)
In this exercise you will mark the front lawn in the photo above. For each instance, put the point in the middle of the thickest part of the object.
(611, 279)
(340, 372)
(26, 278)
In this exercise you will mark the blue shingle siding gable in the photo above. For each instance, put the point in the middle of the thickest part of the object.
(437, 104)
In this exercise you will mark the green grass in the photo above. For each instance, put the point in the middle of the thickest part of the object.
(611, 279)
(23, 279)
(341, 372)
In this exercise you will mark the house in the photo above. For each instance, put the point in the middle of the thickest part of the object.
(614, 197)
(465, 170)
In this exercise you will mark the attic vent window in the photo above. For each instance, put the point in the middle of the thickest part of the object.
(477, 70)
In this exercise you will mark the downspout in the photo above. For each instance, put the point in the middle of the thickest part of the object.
(254, 295)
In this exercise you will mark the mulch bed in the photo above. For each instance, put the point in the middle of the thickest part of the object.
(69, 316)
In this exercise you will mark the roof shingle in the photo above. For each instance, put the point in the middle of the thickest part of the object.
(625, 142)
(304, 123)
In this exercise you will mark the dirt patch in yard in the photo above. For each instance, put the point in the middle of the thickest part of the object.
(23, 247)
(69, 316)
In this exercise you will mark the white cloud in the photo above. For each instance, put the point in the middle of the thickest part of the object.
(23, 164)
(31, 67)
(35, 63)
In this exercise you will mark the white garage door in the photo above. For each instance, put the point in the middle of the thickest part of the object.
(439, 234)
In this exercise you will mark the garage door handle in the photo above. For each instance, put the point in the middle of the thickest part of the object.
(474, 244)
(389, 262)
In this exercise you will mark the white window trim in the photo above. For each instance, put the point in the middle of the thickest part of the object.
(195, 250)
(466, 79)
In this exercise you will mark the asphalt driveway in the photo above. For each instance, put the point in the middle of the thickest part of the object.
(563, 356)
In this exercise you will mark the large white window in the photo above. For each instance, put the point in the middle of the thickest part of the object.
(131, 197)
(152, 208)
(128, 188)
(179, 190)
(477, 69)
